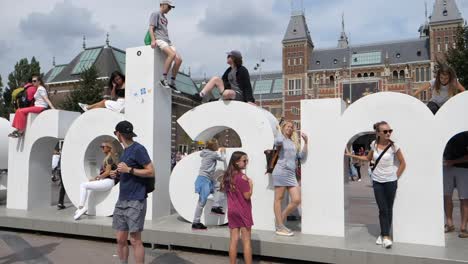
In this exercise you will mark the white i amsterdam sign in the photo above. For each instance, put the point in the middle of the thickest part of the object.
(418, 210)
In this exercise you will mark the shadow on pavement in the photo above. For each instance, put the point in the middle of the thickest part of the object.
(169, 258)
(33, 254)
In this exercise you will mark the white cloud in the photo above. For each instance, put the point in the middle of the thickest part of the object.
(203, 51)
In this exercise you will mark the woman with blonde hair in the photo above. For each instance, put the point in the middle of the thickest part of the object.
(284, 174)
(101, 183)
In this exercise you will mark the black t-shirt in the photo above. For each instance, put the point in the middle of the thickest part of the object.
(120, 92)
(457, 147)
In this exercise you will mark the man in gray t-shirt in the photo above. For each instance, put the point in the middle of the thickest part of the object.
(160, 38)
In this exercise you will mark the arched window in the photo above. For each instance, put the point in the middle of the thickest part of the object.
(366, 75)
(402, 75)
(395, 75)
(332, 80)
(372, 74)
(359, 75)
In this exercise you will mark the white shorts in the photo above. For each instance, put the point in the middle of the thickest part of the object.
(116, 106)
(163, 44)
(456, 178)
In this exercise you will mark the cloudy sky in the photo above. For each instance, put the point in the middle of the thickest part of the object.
(202, 30)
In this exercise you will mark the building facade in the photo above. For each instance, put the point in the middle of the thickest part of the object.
(350, 72)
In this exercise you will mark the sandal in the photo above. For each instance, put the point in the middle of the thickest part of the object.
(463, 234)
(449, 229)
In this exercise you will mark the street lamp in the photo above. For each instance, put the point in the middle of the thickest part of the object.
(258, 67)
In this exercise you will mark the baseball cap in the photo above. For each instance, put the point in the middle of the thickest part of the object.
(235, 53)
(168, 2)
(125, 127)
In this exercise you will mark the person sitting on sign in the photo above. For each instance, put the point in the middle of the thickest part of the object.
(101, 183)
(235, 83)
(117, 82)
(160, 38)
(443, 87)
(41, 103)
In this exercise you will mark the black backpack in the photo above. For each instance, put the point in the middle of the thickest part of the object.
(149, 184)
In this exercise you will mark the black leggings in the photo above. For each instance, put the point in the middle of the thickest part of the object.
(385, 196)
(62, 189)
(358, 169)
(433, 107)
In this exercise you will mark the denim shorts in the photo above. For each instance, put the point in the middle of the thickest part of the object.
(204, 186)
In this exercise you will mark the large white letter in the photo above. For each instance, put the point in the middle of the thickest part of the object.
(418, 211)
(255, 128)
(29, 159)
(80, 160)
(148, 108)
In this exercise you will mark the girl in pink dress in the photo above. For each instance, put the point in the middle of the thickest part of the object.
(238, 188)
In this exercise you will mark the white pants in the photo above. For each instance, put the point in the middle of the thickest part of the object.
(99, 186)
(116, 106)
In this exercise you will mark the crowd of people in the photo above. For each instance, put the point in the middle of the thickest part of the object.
(134, 171)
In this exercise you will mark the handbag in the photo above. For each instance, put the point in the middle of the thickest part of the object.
(380, 156)
(272, 156)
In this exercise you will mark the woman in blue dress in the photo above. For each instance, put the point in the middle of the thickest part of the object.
(284, 174)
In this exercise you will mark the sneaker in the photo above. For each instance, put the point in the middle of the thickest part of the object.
(359, 180)
(174, 88)
(83, 107)
(196, 97)
(379, 241)
(283, 231)
(14, 134)
(198, 226)
(80, 213)
(387, 243)
(164, 83)
(217, 210)
(60, 207)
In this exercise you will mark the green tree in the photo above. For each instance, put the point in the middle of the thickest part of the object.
(23, 72)
(35, 67)
(457, 57)
(4, 107)
(88, 91)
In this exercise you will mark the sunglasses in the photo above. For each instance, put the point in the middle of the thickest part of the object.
(115, 133)
(387, 131)
(103, 146)
(34, 81)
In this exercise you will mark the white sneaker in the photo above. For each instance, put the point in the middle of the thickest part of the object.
(84, 107)
(379, 241)
(359, 180)
(387, 243)
(284, 232)
(80, 213)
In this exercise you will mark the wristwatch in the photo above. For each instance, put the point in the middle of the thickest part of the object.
(131, 170)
